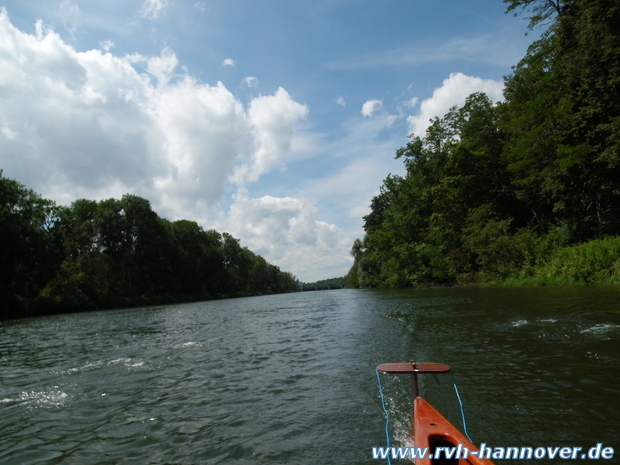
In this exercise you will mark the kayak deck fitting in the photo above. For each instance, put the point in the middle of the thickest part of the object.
(429, 428)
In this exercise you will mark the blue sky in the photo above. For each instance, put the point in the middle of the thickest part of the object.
(274, 120)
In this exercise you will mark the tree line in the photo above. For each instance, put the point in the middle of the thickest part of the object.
(112, 253)
(323, 284)
(495, 192)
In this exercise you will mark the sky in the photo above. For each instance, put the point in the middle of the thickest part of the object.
(273, 120)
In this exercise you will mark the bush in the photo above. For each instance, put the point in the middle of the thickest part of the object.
(595, 262)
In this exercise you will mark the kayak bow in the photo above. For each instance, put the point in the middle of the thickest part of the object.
(429, 428)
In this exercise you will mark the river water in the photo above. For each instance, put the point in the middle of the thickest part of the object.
(291, 378)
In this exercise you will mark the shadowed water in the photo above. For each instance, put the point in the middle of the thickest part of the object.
(290, 378)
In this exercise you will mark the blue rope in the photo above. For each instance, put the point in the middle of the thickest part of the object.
(387, 416)
(461, 405)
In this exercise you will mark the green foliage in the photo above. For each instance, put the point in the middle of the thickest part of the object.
(493, 191)
(595, 262)
(561, 117)
(29, 247)
(116, 253)
(323, 284)
(540, 10)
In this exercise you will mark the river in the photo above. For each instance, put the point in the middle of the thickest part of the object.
(291, 378)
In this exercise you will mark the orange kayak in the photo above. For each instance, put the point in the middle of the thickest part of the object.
(430, 429)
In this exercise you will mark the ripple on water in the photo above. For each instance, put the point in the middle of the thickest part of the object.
(286, 379)
(49, 398)
(602, 330)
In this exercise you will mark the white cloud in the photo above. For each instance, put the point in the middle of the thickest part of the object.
(273, 119)
(9, 133)
(162, 67)
(340, 101)
(454, 91)
(96, 126)
(151, 9)
(204, 131)
(229, 62)
(371, 106)
(106, 45)
(249, 81)
(284, 230)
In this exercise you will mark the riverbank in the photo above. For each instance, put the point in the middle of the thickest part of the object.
(594, 262)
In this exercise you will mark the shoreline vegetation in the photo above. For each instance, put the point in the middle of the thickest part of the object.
(595, 262)
(521, 192)
(116, 253)
(324, 284)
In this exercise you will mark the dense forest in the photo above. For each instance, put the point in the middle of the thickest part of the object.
(527, 190)
(115, 253)
(324, 284)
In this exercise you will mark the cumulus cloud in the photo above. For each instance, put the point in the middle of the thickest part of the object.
(162, 67)
(96, 125)
(454, 90)
(285, 230)
(340, 101)
(371, 106)
(66, 120)
(273, 120)
(229, 62)
(205, 130)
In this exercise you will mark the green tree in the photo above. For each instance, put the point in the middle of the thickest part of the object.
(148, 248)
(357, 252)
(562, 119)
(83, 278)
(540, 11)
(491, 187)
(114, 253)
(413, 232)
(29, 249)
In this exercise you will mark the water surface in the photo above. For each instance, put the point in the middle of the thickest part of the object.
(290, 378)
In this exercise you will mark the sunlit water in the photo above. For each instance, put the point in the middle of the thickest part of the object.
(291, 378)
